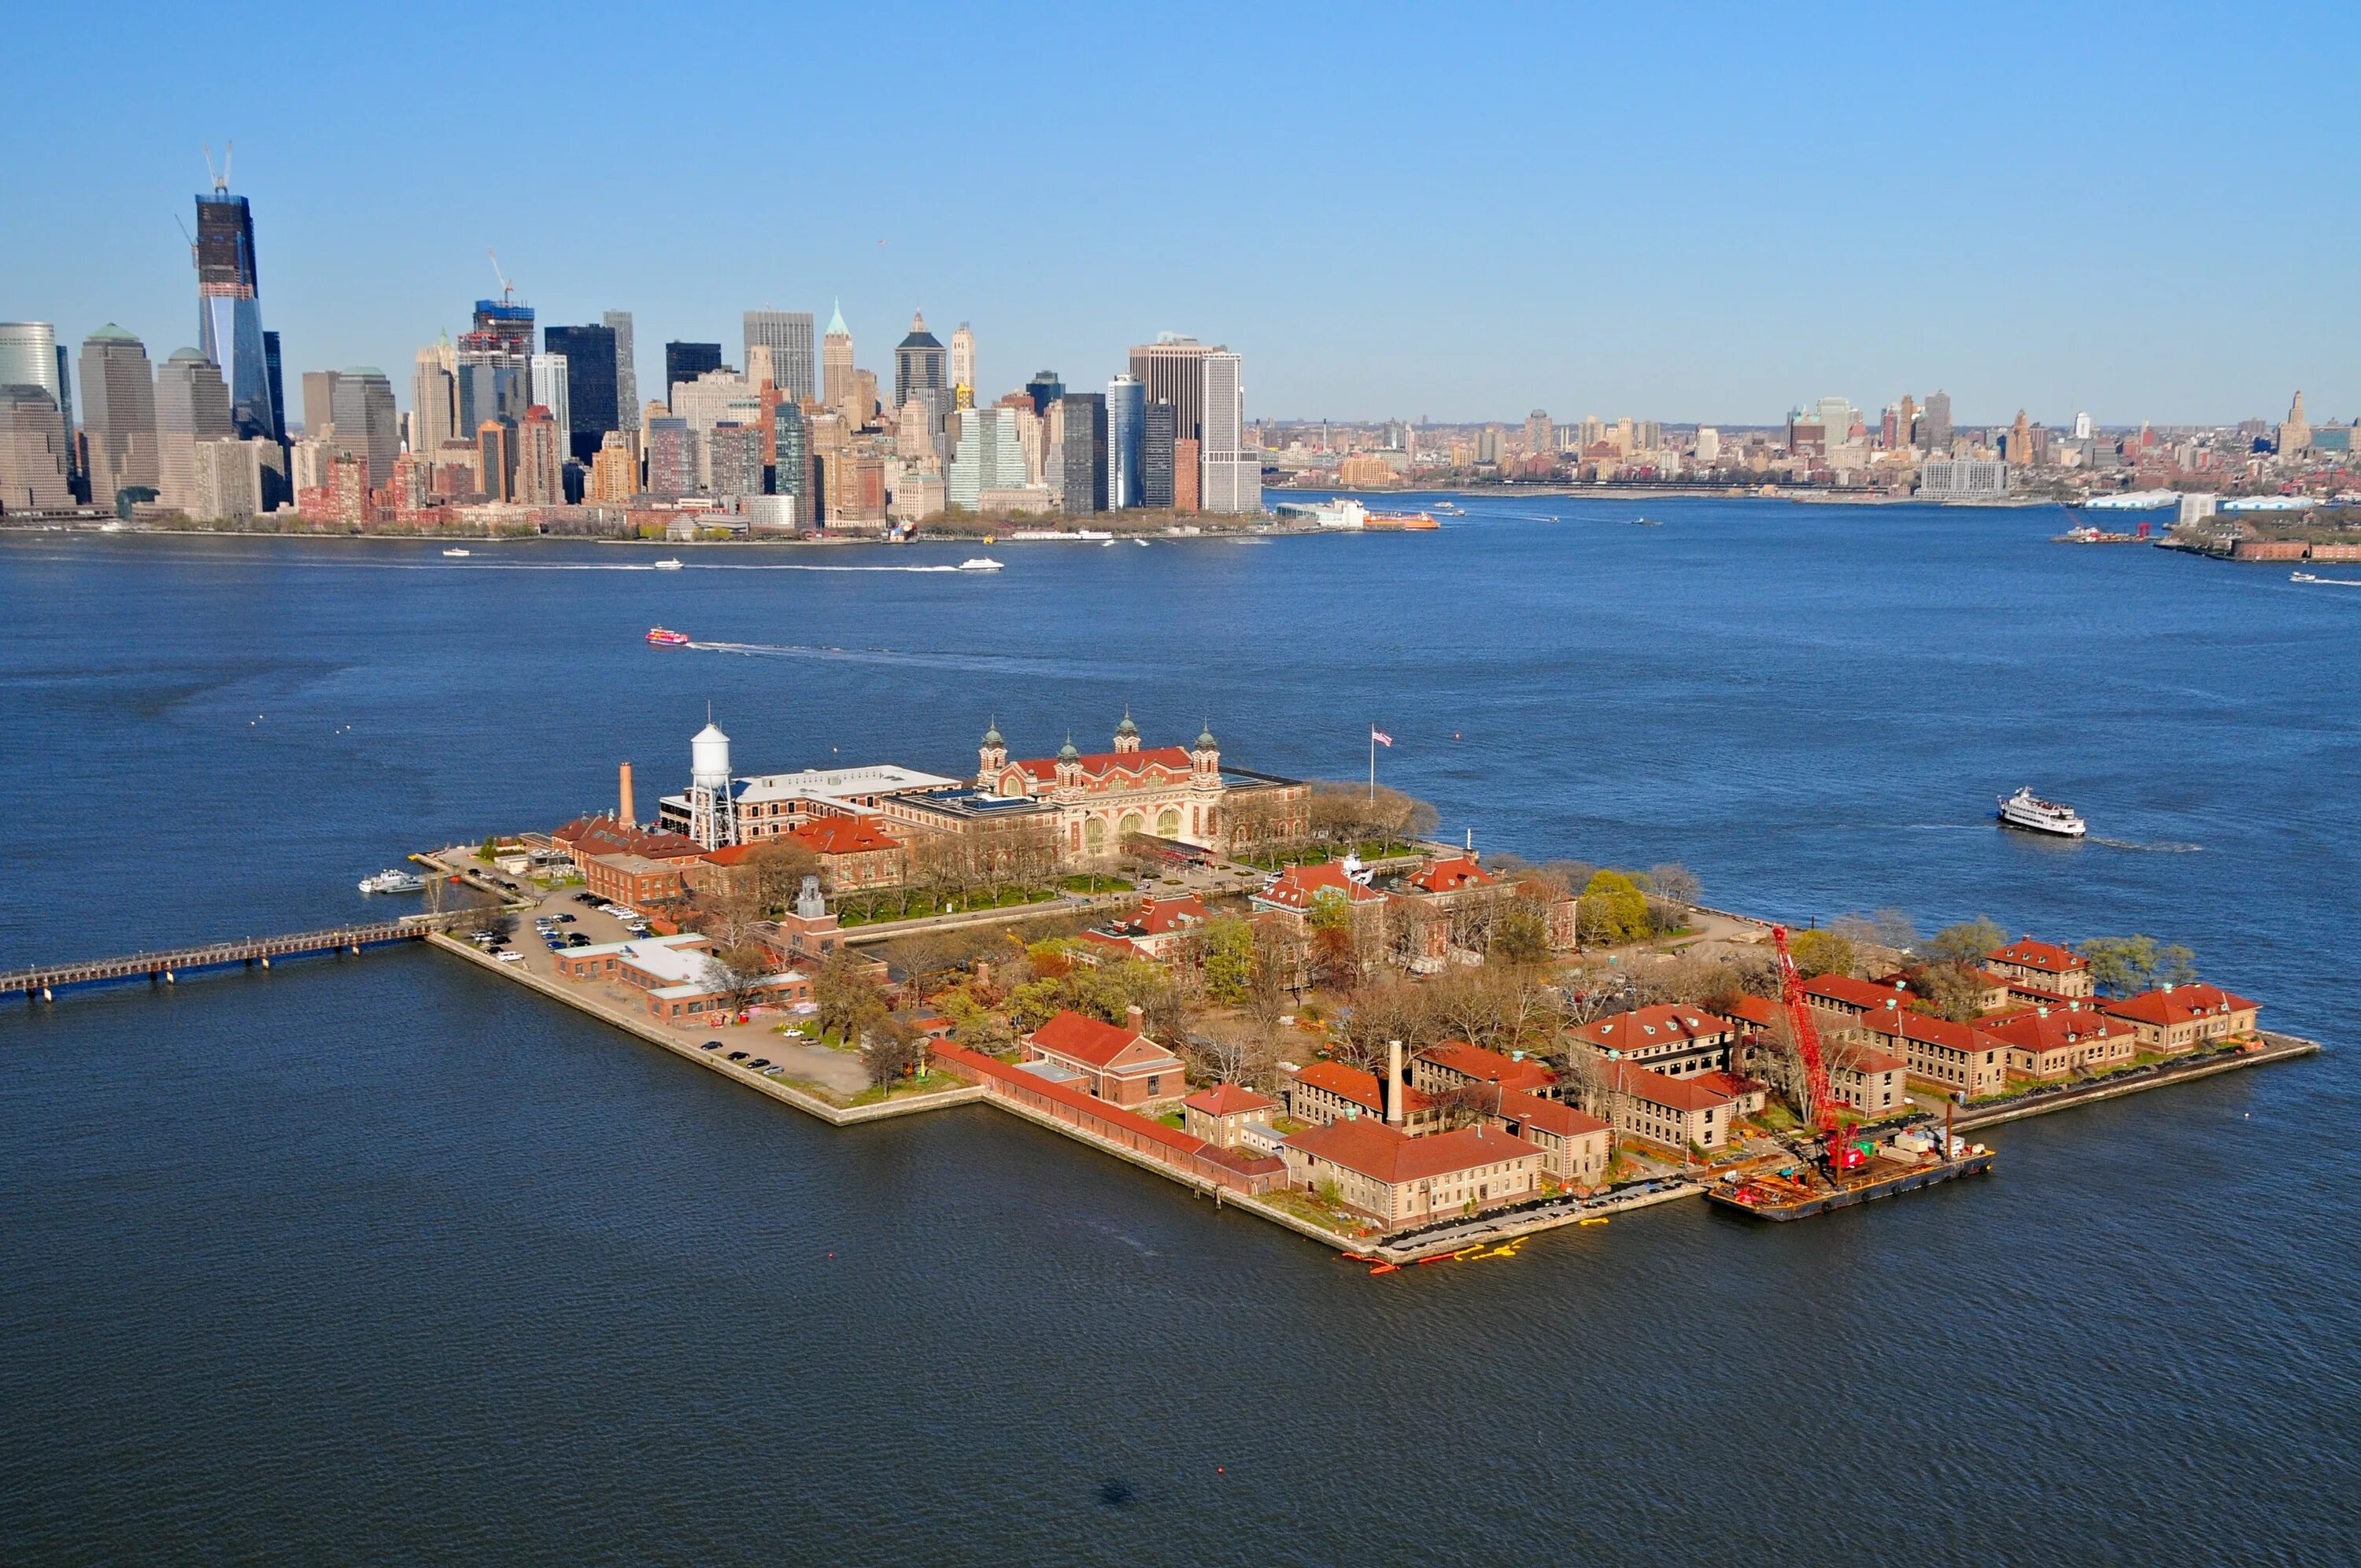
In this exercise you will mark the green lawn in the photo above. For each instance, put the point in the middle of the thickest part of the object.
(911, 905)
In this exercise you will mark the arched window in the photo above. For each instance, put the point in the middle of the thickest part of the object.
(1168, 824)
(1094, 835)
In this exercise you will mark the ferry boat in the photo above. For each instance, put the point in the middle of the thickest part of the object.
(667, 564)
(1448, 509)
(2024, 809)
(458, 553)
(1399, 521)
(979, 563)
(664, 636)
(392, 880)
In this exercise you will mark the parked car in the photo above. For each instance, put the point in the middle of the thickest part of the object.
(509, 955)
(710, 1046)
(759, 1062)
(565, 919)
(737, 1056)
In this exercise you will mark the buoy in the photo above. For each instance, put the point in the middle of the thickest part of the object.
(1598, 1220)
(1387, 1268)
(172, 979)
(266, 961)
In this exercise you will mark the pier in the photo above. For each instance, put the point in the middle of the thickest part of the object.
(41, 983)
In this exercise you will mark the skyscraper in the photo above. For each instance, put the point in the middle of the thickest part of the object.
(32, 447)
(28, 358)
(1934, 425)
(271, 365)
(229, 308)
(192, 405)
(1541, 435)
(962, 361)
(789, 336)
(920, 372)
(1172, 370)
(1126, 409)
(791, 460)
(687, 361)
(552, 380)
(1083, 452)
(494, 460)
(734, 459)
(118, 402)
(594, 390)
(540, 457)
(836, 362)
(433, 404)
(1045, 389)
(1836, 419)
(365, 424)
(1156, 457)
(627, 379)
(1233, 473)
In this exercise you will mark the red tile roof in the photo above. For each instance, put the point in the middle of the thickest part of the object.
(1297, 886)
(1757, 1012)
(843, 836)
(605, 836)
(1085, 1039)
(1730, 1083)
(1549, 1115)
(1858, 993)
(1903, 1023)
(2178, 1004)
(1388, 1155)
(2055, 1028)
(1452, 876)
(1160, 917)
(1867, 1060)
(1489, 1066)
(2048, 957)
(1360, 1088)
(1675, 1093)
(1229, 1100)
(1657, 1025)
(1099, 765)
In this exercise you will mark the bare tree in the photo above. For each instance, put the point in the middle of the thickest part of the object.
(1677, 885)
(737, 974)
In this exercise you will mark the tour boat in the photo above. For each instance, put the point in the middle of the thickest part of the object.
(457, 553)
(2024, 809)
(391, 881)
(664, 636)
(667, 564)
(979, 563)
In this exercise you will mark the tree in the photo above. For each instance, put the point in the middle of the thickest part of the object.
(891, 1048)
(1677, 885)
(1883, 928)
(845, 988)
(738, 973)
(1955, 992)
(1819, 952)
(486, 918)
(2124, 965)
(1520, 933)
(1614, 909)
(1969, 942)
(776, 868)
(1224, 950)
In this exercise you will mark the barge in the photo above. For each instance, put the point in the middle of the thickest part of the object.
(1772, 1196)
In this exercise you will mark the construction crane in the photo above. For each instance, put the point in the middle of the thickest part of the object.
(1822, 1109)
(507, 292)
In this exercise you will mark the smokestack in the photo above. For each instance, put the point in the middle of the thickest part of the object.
(1397, 1114)
(1135, 1020)
(623, 782)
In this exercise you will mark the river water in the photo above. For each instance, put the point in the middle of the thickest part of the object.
(379, 1260)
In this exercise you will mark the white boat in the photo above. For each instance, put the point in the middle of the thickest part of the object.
(979, 563)
(392, 880)
(668, 564)
(458, 553)
(2024, 809)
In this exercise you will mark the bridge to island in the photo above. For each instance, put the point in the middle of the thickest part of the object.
(165, 967)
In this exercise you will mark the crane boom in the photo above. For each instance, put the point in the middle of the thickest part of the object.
(507, 290)
(1823, 1108)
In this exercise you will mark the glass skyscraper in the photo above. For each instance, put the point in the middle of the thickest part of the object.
(687, 362)
(1126, 406)
(229, 310)
(593, 390)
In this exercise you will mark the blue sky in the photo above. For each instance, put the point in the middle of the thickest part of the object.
(1674, 213)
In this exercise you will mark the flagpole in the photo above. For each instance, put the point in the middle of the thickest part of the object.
(1373, 764)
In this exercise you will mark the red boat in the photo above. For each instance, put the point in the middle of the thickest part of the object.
(664, 638)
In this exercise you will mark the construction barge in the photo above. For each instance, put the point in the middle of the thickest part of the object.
(1780, 1196)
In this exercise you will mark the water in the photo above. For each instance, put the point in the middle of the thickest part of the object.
(378, 1260)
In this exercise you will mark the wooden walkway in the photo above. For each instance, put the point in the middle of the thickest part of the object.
(42, 983)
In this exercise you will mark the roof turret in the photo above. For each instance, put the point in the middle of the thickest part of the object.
(1126, 727)
(1066, 754)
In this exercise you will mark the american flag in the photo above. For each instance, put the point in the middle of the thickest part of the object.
(1379, 736)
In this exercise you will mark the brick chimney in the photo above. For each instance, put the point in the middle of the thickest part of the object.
(624, 784)
(1397, 1114)
(1135, 1020)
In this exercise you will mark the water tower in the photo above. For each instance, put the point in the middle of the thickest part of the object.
(713, 809)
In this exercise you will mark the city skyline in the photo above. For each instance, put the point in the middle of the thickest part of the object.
(1547, 235)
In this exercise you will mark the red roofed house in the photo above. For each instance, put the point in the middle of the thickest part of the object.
(1292, 895)
(1116, 1063)
(1673, 1037)
(1325, 1091)
(586, 836)
(1955, 1057)
(2047, 1042)
(1459, 873)
(1840, 1001)
(2181, 1017)
(1441, 1068)
(1426, 901)
(853, 853)
(2045, 964)
(1156, 931)
(1747, 1095)
(1573, 1144)
(1217, 1114)
(1402, 1181)
(1870, 1080)
(1672, 1111)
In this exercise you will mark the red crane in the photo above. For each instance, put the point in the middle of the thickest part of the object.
(1823, 1108)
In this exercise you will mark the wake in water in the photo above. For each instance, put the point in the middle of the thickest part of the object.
(2166, 848)
(2331, 582)
(684, 566)
(1008, 664)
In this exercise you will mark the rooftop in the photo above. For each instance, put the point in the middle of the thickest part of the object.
(1385, 1154)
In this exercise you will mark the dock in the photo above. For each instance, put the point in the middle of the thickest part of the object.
(42, 983)
(1771, 1196)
